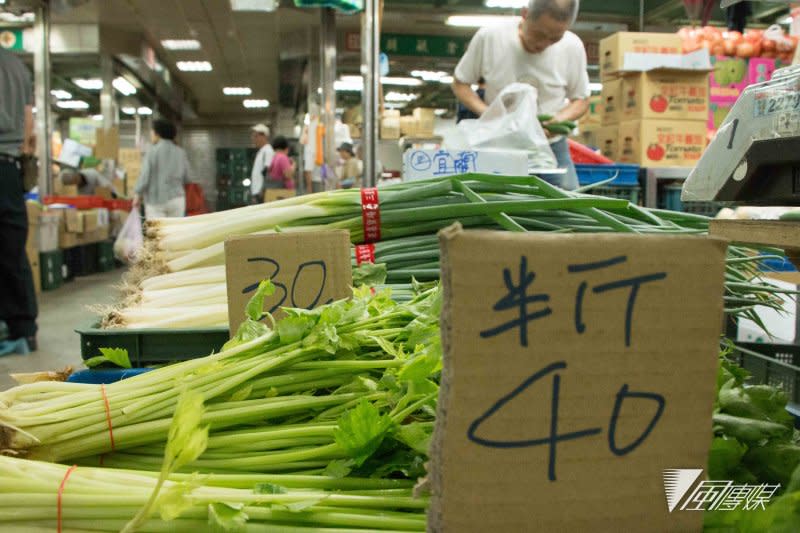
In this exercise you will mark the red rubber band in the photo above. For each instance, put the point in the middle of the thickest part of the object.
(108, 416)
(365, 253)
(371, 214)
(68, 473)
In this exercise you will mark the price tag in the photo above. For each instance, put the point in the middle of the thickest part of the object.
(308, 269)
(577, 370)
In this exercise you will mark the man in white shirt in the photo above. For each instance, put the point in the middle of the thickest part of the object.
(538, 50)
(260, 136)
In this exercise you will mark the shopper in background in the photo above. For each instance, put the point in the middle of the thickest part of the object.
(17, 297)
(538, 50)
(165, 170)
(351, 169)
(283, 168)
(262, 162)
(87, 180)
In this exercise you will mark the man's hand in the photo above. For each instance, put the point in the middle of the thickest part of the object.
(29, 145)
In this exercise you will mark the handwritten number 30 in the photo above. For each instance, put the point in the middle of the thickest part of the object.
(282, 292)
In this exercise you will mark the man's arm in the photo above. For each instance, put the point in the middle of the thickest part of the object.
(29, 139)
(574, 110)
(468, 97)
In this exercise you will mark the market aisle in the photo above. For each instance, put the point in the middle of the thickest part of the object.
(60, 312)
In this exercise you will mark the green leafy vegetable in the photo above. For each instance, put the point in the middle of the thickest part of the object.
(116, 356)
(361, 431)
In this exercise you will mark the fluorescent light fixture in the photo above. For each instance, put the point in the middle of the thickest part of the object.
(254, 5)
(255, 103)
(786, 20)
(428, 75)
(506, 4)
(61, 94)
(596, 87)
(476, 21)
(129, 110)
(356, 83)
(194, 66)
(393, 96)
(439, 112)
(348, 86)
(123, 86)
(11, 17)
(88, 84)
(144, 110)
(395, 105)
(408, 82)
(97, 118)
(181, 44)
(237, 91)
(72, 104)
(446, 79)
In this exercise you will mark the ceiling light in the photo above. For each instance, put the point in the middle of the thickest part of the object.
(254, 5)
(61, 94)
(476, 21)
(506, 4)
(428, 75)
(97, 118)
(395, 105)
(129, 110)
(88, 84)
(72, 104)
(446, 79)
(11, 17)
(144, 110)
(439, 112)
(237, 91)
(596, 87)
(181, 44)
(786, 20)
(123, 86)
(255, 103)
(393, 96)
(194, 66)
(409, 82)
(348, 86)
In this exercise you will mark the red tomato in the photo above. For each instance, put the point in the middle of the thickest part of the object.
(655, 152)
(658, 103)
(718, 50)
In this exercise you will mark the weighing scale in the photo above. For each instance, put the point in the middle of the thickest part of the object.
(755, 160)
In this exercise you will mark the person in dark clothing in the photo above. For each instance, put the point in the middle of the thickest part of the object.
(17, 297)
(463, 111)
(737, 16)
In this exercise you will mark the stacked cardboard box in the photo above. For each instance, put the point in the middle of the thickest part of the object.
(656, 101)
(426, 119)
(130, 159)
(32, 243)
(390, 124)
(83, 226)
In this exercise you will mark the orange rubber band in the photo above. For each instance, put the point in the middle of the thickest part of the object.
(68, 473)
(108, 416)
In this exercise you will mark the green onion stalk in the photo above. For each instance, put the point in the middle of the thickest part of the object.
(348, 388)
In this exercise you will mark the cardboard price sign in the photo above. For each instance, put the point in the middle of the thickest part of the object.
(577, 369)
(308, 269)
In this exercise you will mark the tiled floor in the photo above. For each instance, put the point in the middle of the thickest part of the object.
(60, 312)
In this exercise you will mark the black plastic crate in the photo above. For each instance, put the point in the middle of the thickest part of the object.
(153, 346)
(772, 364)
(105, 256)
(80, 260)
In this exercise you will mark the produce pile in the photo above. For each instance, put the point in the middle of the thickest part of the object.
(773, 44)
(320, 423)
(181, 280)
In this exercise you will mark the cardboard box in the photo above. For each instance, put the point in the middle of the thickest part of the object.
(390, 124)
(107, 143)
(424, 164)
(68, 240)
(91, 219)
(593, 117)
(717, 112)
(60, 189)
(662, 143)
(73, 221)
(48, 231)
(408, 126)
(426, 119)
(665, 94)
(611, 97)
(103, 192)
(271, 195)
(729, 77)
(607, 139)
(614, 48)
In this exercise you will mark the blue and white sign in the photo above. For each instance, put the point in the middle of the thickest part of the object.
(424, 164)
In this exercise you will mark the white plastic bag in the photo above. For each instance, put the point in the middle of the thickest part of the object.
(511, 123)
(130, 241)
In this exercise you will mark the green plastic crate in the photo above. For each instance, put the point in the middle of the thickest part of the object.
(105, 256)
(239, 196)
(153, 346)
(772, 364)
(625, 192)
(51, 266)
